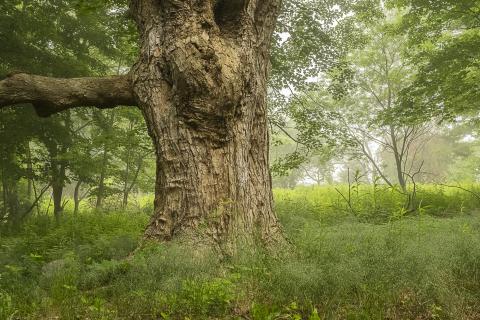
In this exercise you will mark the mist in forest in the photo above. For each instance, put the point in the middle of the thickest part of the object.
(240, 159)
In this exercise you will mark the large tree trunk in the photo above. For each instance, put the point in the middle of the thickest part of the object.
(201, 84)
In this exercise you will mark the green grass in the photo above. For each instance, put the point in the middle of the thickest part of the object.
(372, 263)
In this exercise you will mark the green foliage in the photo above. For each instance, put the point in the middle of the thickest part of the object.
(373, 203)
(290, 161)
(444, 37)
(370, 264)
(63, 39)
(313, 37)
(6, 309)
(58, 38)
(357, 251)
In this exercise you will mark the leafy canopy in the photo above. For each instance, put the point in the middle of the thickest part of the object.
(444, 38)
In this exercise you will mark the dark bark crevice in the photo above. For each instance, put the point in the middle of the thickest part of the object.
(228, 14)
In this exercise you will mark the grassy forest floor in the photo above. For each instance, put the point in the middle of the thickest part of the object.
(367, 260)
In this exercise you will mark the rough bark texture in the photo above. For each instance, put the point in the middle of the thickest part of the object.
(201, 84)
(52, 95)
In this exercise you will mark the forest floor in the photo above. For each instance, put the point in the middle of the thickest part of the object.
(366, 260)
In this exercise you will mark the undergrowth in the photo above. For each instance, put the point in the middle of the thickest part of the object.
(369, 263)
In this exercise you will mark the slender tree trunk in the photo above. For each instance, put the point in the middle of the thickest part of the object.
(14, 204)
(57, 195)
(76, 197)
(57, 181)
(398, 161)
(125, 199)
(101, 180)
(29, 189)
(127, 169)
(104, 167)
(48, 207)
(58, 170)
(29, 172)
(4, 194)
(134, 181)
(329, 176)
(57, 149)
(125, 183)
(10, 188)
(201, 84)
(37, 204)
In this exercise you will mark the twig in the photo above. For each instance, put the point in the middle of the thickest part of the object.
(476, 195)
(36, 200)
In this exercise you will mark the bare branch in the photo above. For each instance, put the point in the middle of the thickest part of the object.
(286, 132)
(476, 195)
(52, 95)
(375, 165)
(37, 199)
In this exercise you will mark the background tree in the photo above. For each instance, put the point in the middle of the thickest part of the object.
(134, 151)
(381, 76)
(444, 37)
(312, 42)
(362, 121)
(54, 38)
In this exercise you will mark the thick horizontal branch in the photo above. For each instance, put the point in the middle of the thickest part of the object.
(52, 95)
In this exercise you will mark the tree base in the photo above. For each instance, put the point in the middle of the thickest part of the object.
(226, 245)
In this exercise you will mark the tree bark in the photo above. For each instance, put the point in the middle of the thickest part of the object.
(127, 167)
(11, 203)
(52, 95)
(104, 165)
(128, 188)
(125, 184)
(57, 182)
(29, 172)
(101, 179)
(57, 194)
(201, 82)
(3, 167)
(398, 161)
(4, 195)
(76, 197)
